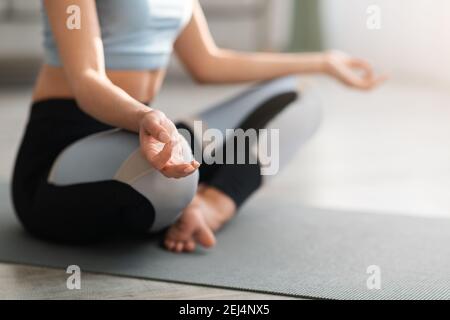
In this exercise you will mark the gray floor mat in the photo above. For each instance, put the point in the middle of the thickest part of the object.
(273, 247)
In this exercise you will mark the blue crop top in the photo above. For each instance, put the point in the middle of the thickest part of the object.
(136, 34)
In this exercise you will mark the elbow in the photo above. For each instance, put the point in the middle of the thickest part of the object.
(203, 74)
(211, 75)
(208, 69)
(202, 78)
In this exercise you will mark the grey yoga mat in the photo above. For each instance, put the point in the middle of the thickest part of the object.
(274, 247)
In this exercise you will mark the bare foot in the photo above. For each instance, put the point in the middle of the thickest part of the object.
(207, 212)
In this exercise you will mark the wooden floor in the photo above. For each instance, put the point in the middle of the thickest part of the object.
(25, 282)
(385, 151)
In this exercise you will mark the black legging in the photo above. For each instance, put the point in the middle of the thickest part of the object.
(85, 212)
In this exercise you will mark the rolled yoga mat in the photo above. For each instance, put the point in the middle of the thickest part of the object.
(272, 247)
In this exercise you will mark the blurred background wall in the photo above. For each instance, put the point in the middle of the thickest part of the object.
(413, 42)
(20, 41)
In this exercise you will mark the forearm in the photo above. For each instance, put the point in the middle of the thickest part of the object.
(104, 101)
(227, 66)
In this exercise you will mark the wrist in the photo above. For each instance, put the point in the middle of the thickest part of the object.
(140, 115)
(326, 62)
(313, 62)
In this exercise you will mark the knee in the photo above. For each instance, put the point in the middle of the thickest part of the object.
(168, 196)
(304, 109)
(301, 118)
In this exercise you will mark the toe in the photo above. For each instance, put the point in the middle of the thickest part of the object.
(179, 246)
(169, 244)
(205, 236)
(189, 246)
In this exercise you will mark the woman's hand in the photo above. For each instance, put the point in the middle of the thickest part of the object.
(162, 145)
(353, 72)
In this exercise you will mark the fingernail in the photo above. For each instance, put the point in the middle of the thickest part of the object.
(164, 137)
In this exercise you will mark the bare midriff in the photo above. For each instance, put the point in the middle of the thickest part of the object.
(141, 85)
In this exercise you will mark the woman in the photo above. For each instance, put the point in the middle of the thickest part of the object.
(77, 179)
